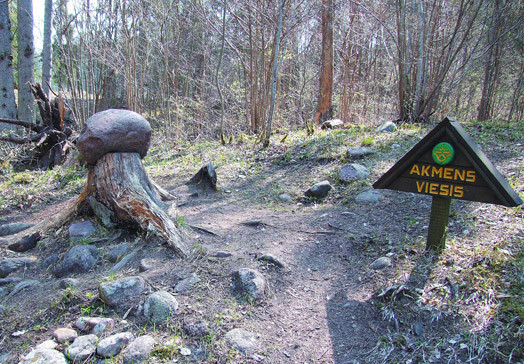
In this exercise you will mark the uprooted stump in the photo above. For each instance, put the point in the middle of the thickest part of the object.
(206, 177)
(112, 144)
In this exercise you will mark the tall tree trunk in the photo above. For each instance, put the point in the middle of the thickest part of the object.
(7, 91)
(325, 99)
(46, 48)
(219, 89)
(25, 60)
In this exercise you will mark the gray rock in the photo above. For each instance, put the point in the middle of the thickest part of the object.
(23, 286)
(86, 324)
(10, 265)
(160, 306)
(387, 127)
(64, 334)
(359, 152)
(249, 284)
(103, 325)
(197, 329)
(122, 292)
(187, 284)
(138, 351)
(319, 190)
(49, 261)
(48, 344)
(44, 356)
(124, 261)
(113, 131)
(332, 124)
(242, 340)
(381, 263)
(112, 346)
(81, 230)
(118, 252)
(285, 197)
(222, 254)
(78, 259)
(4, 291)
(69, 283)
(368, 197)
(145, 264)
(4, 358)
(15, 227)
(352, 172)
(270, 258)
(82, 348)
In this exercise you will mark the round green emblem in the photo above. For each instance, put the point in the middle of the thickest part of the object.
(443, 153)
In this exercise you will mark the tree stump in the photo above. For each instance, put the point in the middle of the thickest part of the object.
(112, 144)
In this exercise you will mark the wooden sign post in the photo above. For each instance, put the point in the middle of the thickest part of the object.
(448, 164)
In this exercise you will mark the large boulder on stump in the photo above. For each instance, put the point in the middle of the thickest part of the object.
(114, 131)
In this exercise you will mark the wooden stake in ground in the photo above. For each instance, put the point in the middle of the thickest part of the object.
(112, 144)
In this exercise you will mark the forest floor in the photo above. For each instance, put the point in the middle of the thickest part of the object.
(465, 305)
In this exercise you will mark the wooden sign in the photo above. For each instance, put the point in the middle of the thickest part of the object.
(448, 164)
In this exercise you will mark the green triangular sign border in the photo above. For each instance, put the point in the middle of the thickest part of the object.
(505, 195)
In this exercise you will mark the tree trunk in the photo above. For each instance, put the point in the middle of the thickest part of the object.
(325, 99)
(25, 60)
(46, 48)
(7, 91)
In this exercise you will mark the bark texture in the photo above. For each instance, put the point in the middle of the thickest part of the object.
(7, 90)
(46, 48)
(26, 53)
(325, 100)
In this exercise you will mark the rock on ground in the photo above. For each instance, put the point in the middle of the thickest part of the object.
(332, 124)
(187, 284)
(249, 283)
(118, 252)
(319, 190)
(359, 152)
(122, 292)
(78, 259)
(196, 329)
(14, 228)
(44, 356)
(82, 348)
(270, 258)
(242, 340)
(81, 230)
(160, 306)
(368, 197)
(285, 197)
(94, 324)
(381, 263)
(386, 127)
(138, 351)
(112, 345)
(10, 265)
(68, 283)
(64, 334)
(352, 172)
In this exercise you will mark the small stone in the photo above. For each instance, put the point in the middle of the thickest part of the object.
(387, 127)
(118, 252)
(270, 258)
(81, 230)
(63, 335)
(44, 356)
(222, 254)
(418, 329)
(352, 172)
(242, 340)
(113, 345)
(139, 349)
(102, 325)
(87, 324)
(68, 283)
(10, 265)
(185, 351)
(368, 197)
(332, 124)
(285, 197)
(145, 264)
(78, 259)
(359, 152)
(14, 228)
(82, 348)
(249, 283)
(187, 284)
(122, 292)
(48, 344)
(381, 263)
(160, 306)
(319, 190)
(197, 329)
